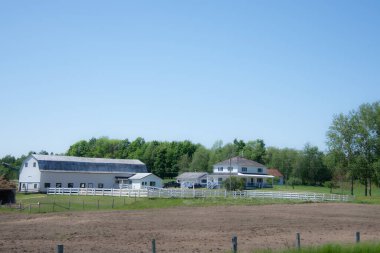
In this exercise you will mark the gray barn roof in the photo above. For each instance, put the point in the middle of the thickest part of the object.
(239, 161)
(87, 164)
(191, 175)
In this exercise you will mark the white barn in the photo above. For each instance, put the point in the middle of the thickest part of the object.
(40, 172)
(141, 180)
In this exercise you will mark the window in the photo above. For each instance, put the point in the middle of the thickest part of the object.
(244, 169)
(220, 180)
(70, 185)
(34, 164)
(259, 170)
(204, 181)
(144, 183)
(100, 185)
(230, 169)
(152, 183)
(47, 185)
(220, 168)
(58, 185)
(35, 186)
(82, 185)
(26, 164)
(90, 185)
(23, 186)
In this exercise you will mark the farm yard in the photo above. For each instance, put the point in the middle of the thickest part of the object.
(189, 228)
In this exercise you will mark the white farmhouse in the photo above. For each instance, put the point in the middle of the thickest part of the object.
(255, 175)
(40, 172)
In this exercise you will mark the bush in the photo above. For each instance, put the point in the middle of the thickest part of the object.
(234, 183)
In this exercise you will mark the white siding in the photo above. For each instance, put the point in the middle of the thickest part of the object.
(251, 170)
(90, 179)
(225, 169)
(30, 175)
(138, 183)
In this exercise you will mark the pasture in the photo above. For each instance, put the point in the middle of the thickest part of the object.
(189, 228)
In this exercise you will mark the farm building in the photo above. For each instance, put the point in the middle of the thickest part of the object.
(7, 192)
(140, 180)
(188, 179)
(40, 172)
(277, 175)
(255, 175)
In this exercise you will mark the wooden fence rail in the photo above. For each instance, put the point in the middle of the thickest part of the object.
(153, 192)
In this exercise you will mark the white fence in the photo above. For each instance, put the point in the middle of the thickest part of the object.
(153, 192)
(124, 192)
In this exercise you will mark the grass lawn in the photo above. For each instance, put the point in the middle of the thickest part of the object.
(344, 189)
(59, 203)
(366, 247)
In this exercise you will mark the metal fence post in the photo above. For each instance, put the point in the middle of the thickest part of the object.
(357, 237)
(59, 248)
(154, 246)
(298, 240)
(234, 244)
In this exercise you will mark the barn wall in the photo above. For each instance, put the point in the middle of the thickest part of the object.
(30, 175)
(90, 179)
(137, 183)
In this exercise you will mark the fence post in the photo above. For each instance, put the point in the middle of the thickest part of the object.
(298, 241)
(59, 248)
(357, 237)
(113, 203)
(39, 207)
(153, 246)
(234, 244)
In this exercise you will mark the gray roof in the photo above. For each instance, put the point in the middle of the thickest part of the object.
(88, 164)
(140, 175)
(192, 175)
(239, 161)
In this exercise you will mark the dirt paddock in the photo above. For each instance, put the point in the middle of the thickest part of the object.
(195, 229)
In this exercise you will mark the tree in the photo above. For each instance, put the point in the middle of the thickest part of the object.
(200, 160)
(255, 150)
(341, 141)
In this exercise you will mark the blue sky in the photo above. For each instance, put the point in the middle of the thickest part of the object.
(176, 70)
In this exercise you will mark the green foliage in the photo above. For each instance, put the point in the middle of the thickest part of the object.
(354, 141)
(234, 183)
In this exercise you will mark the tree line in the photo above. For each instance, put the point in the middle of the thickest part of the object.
(353, 153)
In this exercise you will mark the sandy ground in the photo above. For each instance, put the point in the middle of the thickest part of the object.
(196, 229)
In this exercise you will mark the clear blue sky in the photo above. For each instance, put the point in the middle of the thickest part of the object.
(177, 70)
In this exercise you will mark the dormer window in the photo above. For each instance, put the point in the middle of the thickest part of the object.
(34, 164)
(260, 170)
(243, 169)
(220, 168)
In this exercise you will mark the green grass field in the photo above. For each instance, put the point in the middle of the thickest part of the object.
(60, 203)
(344, 189)
(366, 247)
